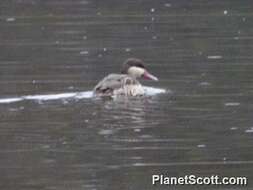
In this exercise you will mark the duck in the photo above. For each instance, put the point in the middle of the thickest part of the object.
(126, 83)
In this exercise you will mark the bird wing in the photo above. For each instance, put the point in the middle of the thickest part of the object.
(110, 83)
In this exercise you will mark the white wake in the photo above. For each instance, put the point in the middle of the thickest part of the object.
(149, 91)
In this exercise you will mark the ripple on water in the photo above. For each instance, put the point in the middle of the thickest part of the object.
(249, 130)
(232, 104)
(214, 57)
(106, 132)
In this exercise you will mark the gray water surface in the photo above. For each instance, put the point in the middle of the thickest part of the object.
(200, 50)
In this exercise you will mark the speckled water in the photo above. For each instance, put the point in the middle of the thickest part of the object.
(53, 52)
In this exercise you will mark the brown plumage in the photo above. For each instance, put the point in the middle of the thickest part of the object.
(125, 84)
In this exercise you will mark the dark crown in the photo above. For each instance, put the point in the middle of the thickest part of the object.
(130, 63)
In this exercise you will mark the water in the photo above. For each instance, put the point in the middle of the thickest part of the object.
(54, 136)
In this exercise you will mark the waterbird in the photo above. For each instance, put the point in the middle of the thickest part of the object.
(126, 83)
